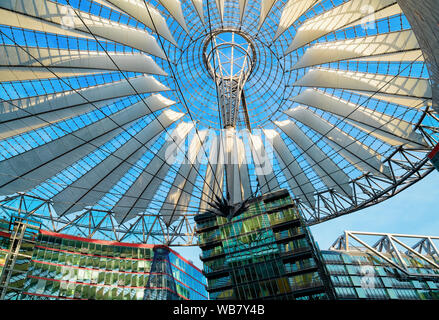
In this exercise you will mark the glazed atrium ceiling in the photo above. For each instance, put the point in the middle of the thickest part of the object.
(118, 117)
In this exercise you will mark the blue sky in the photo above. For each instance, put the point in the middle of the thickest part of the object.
(413, 211)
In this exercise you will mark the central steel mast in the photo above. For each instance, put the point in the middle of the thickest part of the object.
(230, 57)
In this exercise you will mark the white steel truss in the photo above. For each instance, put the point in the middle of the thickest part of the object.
(393, 249)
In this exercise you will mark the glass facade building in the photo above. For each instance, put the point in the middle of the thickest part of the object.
(263, 253)
(383, 270)
(60, 266)
(17, 243)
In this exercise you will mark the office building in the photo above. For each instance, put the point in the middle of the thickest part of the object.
(58, 266)
(265, 252)
(364, 265)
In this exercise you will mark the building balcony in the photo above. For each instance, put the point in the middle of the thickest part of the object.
(210, 272)
(301, 269)
(284, 222)
(296, 253)
(209, 243)
(317, 283)
(290, 235)
(208, 240)
(215, 255)
(207, 226)
(220, 283)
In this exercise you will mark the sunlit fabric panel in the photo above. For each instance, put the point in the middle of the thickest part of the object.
(336, 18)
(384, 84)
(140, 194)
(396, 46)
(53, 12)
(236, 166)
(42, 162)
(263, 167)
(332, 175)
(292, 10)
(296, 178)
(391, 130)
(174, 8)
(95, 183)
(147, 14)
(25, 114)
(78, 59)
(198, 4)
(356, 152)
(266, 6)
(220, 7)
(214, 178)
(178, 199)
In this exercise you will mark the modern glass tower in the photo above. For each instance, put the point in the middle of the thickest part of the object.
(263, 253)
(365, 265)
(47, 265)
(161, 276)
(16, 247)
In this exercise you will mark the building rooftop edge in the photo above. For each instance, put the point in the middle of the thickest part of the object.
(268, 196)
(112, 243)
